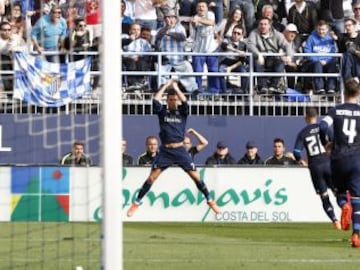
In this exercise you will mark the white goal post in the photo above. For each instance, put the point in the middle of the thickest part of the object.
(111, 136)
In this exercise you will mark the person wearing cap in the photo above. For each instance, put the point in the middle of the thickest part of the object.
(172, 38)
(251, 156)
(304, 15)
(221, 156)
(322, 41)
(349, 45)
(279, 157)
(292, 65)
(318, 161)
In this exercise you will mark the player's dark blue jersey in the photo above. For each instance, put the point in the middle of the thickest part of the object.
(172, 123)
(309, 138)
(345, 120)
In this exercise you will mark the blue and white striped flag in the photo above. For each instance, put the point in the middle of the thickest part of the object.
(46, 84)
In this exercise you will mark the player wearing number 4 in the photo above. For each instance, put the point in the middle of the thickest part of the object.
(318, 162)
(345, 156)
(172, 121)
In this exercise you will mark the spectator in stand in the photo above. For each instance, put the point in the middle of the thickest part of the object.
(187, 8)
(293, 65)
(265, 39)
(127, 159)
(267, 11)
(17, 21)
(234, 63)
(322, 41)
(152, 149)
(356, 10)
(247, 6)
(136, 62)
(145, 13)
(333, 12)
(349, 45)
(70, 12)
(279, 157)
(9, 43)
(93, 18)
(126, 20)
(221, 156)
(76, 157)
(251, 156)
(194, 149)
(130, 9)
(171, 38)
(79, 40)
(304, 15)
(53, 38)
(226, 27)
(278, 9)
(145, 34)
(204, 42)
(162, 8)
(217, 6)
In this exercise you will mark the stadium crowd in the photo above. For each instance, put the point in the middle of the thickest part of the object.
(62, 29)
(240, 27)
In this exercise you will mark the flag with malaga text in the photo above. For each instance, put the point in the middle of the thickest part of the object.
(47, 84)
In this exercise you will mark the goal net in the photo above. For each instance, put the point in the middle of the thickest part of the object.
(54, 216)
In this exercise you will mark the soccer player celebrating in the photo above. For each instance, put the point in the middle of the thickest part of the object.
(345, 156)
(172, 121)
(318, 161)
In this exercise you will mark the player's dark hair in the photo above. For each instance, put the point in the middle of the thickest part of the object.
(311, 112)
(171, 92)
(279, 140)
(151, 137)
(202, 1)
(352, 87)
(78, 143)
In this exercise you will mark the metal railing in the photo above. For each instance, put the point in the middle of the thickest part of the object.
(251, 103)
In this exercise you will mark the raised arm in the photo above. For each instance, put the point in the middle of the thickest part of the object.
(178, 91)
(160, 93)
(202, 141)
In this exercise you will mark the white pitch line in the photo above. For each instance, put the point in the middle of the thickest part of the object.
(248, 260)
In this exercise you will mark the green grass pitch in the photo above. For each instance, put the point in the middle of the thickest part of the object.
(180, 246)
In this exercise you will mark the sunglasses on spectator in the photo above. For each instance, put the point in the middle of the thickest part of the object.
(357, 8)
(6, 29)
(81, 25)
(56, 12)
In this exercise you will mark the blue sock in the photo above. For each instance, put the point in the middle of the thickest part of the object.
(144, 189)
(355, 204)
(328, 208)
(202, 187)
(341, 199)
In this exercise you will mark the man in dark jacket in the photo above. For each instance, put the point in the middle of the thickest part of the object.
(251, 157)
(221, 156)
